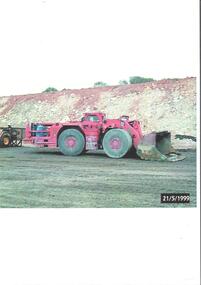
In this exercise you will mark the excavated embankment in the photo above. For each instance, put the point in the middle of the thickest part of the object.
(159, 105)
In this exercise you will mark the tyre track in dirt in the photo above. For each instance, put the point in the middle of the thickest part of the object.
(31, 177)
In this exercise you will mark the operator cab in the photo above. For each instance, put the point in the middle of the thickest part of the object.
(93, 117)
(124, 118)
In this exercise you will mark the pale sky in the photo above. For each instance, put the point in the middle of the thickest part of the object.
(72, 44)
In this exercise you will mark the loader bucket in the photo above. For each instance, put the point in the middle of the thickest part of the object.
(157, 146)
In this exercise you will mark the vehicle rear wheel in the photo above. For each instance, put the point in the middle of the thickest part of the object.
(5, 140)
(116, 143)
(71, 142)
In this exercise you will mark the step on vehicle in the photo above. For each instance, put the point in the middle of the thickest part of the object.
(117, 137)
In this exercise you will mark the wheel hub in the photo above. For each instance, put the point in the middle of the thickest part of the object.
(70, 142)
(115, 143)
(6, 141)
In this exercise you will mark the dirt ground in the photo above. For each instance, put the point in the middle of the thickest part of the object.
(32, 177)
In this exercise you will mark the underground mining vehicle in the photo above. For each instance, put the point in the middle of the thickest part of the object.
(10, 136)
(117, 137)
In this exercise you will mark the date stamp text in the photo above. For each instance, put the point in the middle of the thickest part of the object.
(175, 198)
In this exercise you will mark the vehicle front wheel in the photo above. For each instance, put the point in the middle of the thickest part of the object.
(117, 143)
(71, 142)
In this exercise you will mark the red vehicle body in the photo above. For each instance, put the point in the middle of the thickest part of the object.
(115, 136)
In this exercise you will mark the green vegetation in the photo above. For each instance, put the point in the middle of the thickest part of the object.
(50, 89)
(139, 79)
(123, 82)
(132, 80)
(171, 79)
(99, 84)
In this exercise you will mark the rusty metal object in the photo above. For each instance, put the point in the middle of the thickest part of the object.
(10, 136)
(157, 146)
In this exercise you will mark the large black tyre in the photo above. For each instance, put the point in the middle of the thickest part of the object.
(116, 143)
(71, 142)
(5, 140)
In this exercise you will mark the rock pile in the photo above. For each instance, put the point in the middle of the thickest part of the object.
(159, 105)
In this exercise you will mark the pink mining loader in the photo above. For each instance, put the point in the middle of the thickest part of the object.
(117, 137)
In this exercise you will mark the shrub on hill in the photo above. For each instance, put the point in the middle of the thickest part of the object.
(99, 84)
(123, 82)
(139, 79)
(50, 89)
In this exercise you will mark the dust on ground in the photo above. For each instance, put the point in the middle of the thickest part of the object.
(32, 177)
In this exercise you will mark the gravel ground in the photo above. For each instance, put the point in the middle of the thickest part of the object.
(32, 177)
